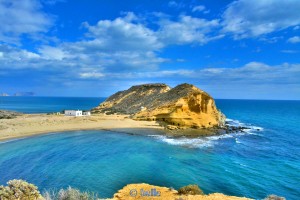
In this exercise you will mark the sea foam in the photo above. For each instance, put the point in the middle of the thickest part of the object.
(210, 141)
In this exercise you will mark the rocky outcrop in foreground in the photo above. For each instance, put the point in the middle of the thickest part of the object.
(182, 106)
(146, 191)
(22, 190)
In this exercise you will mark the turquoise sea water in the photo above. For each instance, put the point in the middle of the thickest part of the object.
(265, 160)
(47, 104)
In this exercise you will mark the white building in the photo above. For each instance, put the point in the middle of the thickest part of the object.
(73, 112)
(86, 113)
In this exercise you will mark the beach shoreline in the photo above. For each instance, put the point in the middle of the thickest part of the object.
(29, 125)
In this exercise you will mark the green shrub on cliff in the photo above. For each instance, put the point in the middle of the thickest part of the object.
(274, 197)
(190, 189)
(69, 194)
(19, 189)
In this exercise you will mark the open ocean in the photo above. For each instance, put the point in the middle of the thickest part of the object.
(264, 160)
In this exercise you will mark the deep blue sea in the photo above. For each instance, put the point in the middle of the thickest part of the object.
(264, 160)
(47, 104)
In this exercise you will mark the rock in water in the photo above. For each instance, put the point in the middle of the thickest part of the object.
(183, 106)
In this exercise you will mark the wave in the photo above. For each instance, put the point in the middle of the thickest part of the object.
(210, 141)
(200, 142)
(249, 127)
(237, 141)
(185, 142)
(12, 140)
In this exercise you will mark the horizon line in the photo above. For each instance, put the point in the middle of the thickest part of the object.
(108, 97)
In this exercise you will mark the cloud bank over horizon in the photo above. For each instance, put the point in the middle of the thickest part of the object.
(244, 49)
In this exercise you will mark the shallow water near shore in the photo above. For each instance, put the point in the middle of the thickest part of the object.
(261, 161)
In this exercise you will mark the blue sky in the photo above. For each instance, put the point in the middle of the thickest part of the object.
(243, 49)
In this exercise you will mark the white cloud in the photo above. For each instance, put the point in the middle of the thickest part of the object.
(271, 39)
(54, 53)
(296, 28)
(52, 2)
(123, 44)
(295, 39)
(29, 55)
(187, 30)
(246, 18)
(93, 75)
(172, 3)
(21, 17)
(250, 73)
(180, 60)
(155, 74)
(175, 4)
(111, 45)
(289, 51)
(122, 34)
(11, 56)
(199, 8)
(127, 49)
(253, 73)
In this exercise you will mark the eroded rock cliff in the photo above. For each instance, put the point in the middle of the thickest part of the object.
(182, 106)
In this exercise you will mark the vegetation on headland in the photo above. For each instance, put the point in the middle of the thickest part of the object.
(22, 190)
(19, 189)
(69, 194)
(190, 189)
(4, 114)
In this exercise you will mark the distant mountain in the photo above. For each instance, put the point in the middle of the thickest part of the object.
(24, 94)
(3, 95)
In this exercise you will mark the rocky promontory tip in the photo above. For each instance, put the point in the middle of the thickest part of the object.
(182, 106)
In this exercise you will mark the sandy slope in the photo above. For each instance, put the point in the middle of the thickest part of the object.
(28, 125)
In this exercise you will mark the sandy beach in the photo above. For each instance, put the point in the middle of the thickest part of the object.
(35, 124)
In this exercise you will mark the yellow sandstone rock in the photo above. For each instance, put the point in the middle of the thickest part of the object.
(146, 191)
(182, 106)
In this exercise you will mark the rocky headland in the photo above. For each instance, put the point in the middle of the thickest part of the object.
(181, 107)
(181, 111)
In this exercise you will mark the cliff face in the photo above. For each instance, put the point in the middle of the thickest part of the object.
(130, 101)
(183, 106)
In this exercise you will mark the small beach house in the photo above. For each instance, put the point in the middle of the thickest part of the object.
(73, 113)
(86, 113)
